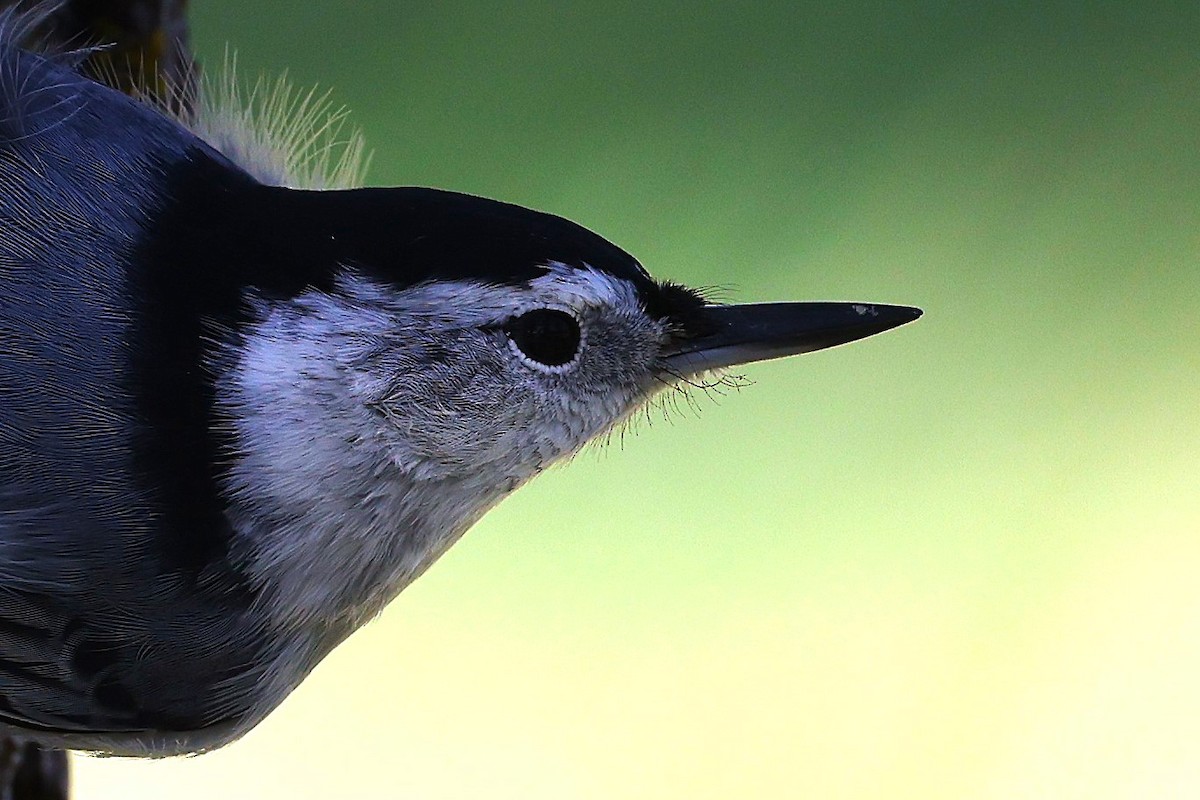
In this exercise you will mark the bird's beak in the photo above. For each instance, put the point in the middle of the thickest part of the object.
(740, 334)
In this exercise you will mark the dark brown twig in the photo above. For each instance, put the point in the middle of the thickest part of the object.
(144, 42)
(30, 772)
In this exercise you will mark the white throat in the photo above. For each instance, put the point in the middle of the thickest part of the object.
(332, 523)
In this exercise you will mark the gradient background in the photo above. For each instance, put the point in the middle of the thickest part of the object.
(957, 560)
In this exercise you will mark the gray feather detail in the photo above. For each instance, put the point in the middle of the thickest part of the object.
(379, 425)
(100, 648)
(35, 94)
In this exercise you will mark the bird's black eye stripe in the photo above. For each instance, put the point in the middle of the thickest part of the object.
(545, 335)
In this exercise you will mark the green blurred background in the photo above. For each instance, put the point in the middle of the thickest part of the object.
(957, 560)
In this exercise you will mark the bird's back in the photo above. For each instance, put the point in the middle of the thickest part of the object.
(96, 582)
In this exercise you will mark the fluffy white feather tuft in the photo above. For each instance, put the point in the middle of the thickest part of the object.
(282, 135)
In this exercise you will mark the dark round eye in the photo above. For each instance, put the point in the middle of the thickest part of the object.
(546, 336)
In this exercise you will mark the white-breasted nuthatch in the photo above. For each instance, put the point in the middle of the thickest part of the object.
(236, 419)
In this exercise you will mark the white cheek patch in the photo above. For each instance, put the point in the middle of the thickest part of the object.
(362, 502)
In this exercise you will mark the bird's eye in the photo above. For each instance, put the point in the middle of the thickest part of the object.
(546, 336)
